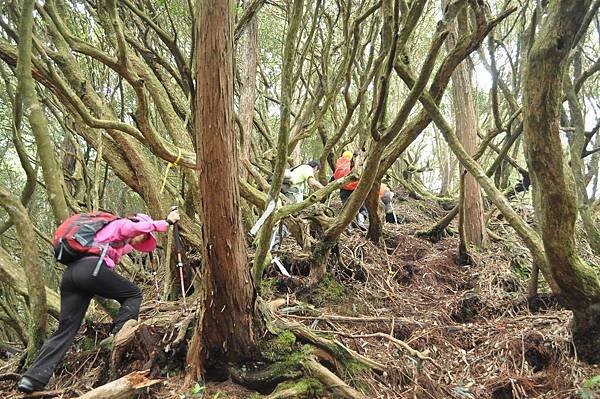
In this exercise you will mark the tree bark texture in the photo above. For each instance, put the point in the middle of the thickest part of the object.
(248, 87)
(471, 226)
(225, 329)
(248, 69)
(554, 191)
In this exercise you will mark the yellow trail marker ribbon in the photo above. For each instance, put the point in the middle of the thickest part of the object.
(169, 166)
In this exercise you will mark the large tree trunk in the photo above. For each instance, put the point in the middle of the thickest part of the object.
(553, 186)
(225, 328)
(470, 219)
(27, 99)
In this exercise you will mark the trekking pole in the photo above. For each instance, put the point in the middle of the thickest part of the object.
(179, 261)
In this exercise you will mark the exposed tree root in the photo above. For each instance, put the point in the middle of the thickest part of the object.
(335, 348)
(311, 368)
(437, 231)
(420, 356)
(331, 381)
(265, 379)
(296, 389)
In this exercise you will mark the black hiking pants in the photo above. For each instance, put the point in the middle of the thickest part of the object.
(345, 194)
(77, 288)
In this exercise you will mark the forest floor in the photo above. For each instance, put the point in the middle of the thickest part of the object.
(472, 321)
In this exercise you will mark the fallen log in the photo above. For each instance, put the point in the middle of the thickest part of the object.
(123, 388)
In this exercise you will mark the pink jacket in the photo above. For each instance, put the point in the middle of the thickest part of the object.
(123, 230)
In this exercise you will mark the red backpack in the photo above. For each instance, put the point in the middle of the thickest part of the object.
(74, 238)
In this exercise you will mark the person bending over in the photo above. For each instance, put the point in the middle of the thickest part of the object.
(87, 276)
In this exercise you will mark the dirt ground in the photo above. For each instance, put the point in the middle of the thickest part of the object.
(472, 322)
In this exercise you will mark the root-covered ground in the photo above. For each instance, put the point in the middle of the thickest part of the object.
(472, 322)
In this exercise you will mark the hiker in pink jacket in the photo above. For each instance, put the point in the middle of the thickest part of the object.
(94, 275)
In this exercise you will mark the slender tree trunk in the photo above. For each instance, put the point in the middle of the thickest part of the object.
(577, 166)
(30, 262)
(532, 288)
(471, 226)
(444, 159)
(262, 256)
(225, 331)
(554, 190)
(593, 168)
(27, 99)
(247, 89)
(375, 221)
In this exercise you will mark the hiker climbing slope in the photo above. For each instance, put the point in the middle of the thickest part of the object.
(90, 271)
(343, 167)
(297, 178)
(386, 196)
(293, 187)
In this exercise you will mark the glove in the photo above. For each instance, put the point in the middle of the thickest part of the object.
(173, 216)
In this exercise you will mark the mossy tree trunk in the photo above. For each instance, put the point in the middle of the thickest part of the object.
(30, 171)
(554, 189)
(30, 262)
(27, 102)
(225, 330)
(262, 256)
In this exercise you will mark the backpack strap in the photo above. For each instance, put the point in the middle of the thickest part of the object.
(100, 259)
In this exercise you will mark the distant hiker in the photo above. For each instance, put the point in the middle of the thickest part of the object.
(293, 187)
(92, 245)
(296, 179)
(386, 196)
(343, 167)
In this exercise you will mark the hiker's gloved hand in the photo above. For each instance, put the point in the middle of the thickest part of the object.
(173, 216)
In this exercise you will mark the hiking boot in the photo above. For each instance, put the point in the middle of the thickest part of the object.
(29, 385)
(391, 217)
(126, 326)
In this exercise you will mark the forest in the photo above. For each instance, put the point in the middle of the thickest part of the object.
(300, 199)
